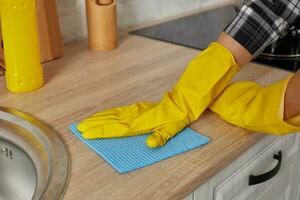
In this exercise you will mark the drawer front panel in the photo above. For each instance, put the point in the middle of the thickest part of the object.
(236, 186)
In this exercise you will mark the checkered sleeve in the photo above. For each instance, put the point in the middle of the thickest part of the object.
(261, 22)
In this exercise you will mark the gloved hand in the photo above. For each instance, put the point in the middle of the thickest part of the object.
(248, 105)
(205, 77)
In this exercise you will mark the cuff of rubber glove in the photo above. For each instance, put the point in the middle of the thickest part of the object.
(227, 52)
(294, 121)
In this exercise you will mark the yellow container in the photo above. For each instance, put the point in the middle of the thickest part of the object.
(21, 46)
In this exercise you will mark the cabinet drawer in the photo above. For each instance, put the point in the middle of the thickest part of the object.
(236, 186)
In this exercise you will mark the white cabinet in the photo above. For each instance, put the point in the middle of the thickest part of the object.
(232, 183)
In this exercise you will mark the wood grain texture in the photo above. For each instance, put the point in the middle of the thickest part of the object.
(49, 31)
(83, 82)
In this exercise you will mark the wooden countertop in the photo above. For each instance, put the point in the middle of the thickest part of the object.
(83, 82)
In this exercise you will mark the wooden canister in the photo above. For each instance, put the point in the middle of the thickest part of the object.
(102, 25)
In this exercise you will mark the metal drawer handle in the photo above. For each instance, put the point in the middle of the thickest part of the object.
(253, 180)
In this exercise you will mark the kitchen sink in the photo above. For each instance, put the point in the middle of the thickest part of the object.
(34, 163)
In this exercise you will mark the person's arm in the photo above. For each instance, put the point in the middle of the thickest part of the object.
(261, 22)
(242, 56)
(275, 108)
(292, 97)
(257, 25)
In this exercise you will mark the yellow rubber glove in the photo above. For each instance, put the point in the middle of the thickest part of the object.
(205, 77)
(248, 105)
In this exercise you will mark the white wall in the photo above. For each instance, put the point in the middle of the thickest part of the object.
(131, 13)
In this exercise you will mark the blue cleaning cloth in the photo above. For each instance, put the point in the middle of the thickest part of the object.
(130, 153)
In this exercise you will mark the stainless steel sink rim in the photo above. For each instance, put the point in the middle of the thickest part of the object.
(53, 166)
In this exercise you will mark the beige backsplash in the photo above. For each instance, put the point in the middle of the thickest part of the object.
(131, 13)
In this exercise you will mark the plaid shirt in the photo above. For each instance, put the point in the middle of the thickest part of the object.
(261, 22)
